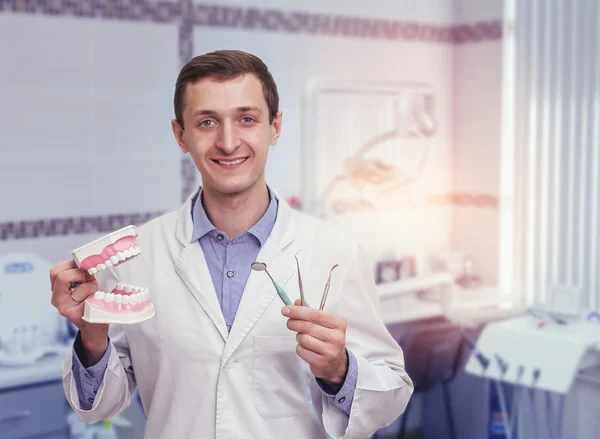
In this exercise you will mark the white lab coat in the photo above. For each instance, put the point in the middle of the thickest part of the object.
(197, 381)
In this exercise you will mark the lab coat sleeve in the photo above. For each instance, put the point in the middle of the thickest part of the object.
(342, 398)
(88, 380)
(117, 383)
(383, 388)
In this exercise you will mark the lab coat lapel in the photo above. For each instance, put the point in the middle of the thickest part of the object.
(259, 291)
(193, 270)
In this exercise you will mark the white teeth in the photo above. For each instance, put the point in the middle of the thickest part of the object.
(125, 300)
(119, 286)
(99, 295)
(234, 162)
(136, 290)
(118, 298)
(133, 299)
(127, 288)
(110, 297)
(115, 259)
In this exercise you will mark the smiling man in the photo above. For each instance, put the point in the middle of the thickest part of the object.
(223, 358)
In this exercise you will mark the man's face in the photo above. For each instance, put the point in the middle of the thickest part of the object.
(227, 132)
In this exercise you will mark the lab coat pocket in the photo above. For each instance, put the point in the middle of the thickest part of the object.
(279, 379)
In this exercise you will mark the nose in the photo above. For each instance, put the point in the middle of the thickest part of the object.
(228, 140)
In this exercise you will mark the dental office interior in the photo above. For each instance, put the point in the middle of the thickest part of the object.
(457, 140)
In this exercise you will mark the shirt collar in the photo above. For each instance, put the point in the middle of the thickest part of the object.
(261, 230)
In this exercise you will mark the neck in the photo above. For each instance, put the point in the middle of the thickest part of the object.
(236, 213)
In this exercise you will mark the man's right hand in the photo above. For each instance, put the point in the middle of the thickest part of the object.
(70, 304)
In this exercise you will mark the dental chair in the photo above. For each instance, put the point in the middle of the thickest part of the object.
(432, 354)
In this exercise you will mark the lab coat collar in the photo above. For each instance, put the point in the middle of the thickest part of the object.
(258, 292)
(203, 225)
(185, 225)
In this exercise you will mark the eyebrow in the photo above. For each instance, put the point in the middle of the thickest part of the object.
(243, 109)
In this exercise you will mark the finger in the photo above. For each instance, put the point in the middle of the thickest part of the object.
(312, 358)
(319, 317)
(66, 278)
(74, 299)
(84, 291)
(317, 331)
(315, 345)
(58, 268)
(298, 302)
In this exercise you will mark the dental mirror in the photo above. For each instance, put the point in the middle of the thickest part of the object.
(261, 266)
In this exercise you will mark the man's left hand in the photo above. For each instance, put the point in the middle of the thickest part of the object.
(321, 340)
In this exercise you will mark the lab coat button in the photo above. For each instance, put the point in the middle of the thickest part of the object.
(230, 273)
(342, 399)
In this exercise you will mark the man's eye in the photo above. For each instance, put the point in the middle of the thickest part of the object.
(206, 123)
(248, 119)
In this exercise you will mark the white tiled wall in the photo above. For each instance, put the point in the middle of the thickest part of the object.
(477, 138)
(85, 113)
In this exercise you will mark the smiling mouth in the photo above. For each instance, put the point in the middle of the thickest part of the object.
(230, 163)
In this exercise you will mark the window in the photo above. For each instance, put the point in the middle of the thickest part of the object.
(550, 176)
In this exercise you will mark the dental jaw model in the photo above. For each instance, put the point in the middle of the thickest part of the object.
(124, 304)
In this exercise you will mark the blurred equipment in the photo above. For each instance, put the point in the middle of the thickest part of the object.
(537, 353)
(30, 327)
(433, 352)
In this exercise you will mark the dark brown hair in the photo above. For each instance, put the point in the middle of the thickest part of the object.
(223, 65)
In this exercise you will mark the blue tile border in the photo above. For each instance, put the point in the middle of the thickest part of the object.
(272, 20)
(32, 229)
(343, 26)
(131, 10)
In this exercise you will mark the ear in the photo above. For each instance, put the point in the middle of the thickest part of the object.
(276, 127)
(178, 133)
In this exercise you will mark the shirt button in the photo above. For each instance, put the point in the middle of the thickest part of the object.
(220, 237)
(228, 328)
(230, 273)
(342, 399)
(91, 400)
